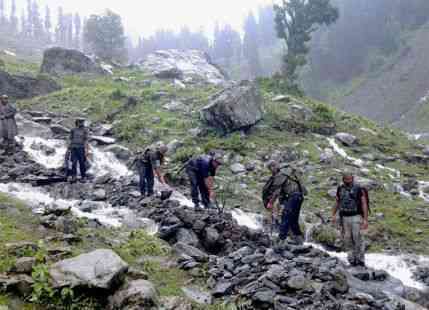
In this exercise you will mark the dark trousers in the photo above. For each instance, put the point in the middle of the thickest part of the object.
(78, 156)
(290, 216)
(147, 180)
(198, 187)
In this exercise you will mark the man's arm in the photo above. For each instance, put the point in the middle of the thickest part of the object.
(336, 208)
(365, 212)
(159, 175)
(10, 112)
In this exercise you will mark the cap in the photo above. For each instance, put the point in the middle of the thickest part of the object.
(347, 173)
(4, 96)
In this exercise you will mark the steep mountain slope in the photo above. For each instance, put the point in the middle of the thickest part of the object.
(389, 95)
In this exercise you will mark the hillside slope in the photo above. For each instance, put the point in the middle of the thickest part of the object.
(389, 95)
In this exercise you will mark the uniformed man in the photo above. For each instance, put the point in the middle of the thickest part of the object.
(201, 172)
(8, 127)
(79, 149)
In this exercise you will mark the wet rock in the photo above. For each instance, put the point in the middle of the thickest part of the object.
(100, 194)
(198, 296)
(90, 206)
(346, 138)
(264, 297)
(139, 294)
(297, 282)
(42, 120)
(100, 140)
(57, 210)
(102, 269)
(59, 61)
(235, 108)
(212, 238)
(119, 151)
(191, 251)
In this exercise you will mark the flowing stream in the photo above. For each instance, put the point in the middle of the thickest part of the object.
(50, 153)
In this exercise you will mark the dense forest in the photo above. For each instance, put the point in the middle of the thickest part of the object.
(366, 34)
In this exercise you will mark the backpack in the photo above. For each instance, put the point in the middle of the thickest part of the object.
(350, 200)
(275, 184)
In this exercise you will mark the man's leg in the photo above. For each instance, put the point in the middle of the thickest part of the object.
(358, 251)
(82, 163)
(142, 182)
(294, 221)
(348, 239)
(150, 179)
(74, 159)
(193, 182)
(205, 196)
(286, 218)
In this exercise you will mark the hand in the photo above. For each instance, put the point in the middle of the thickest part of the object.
(269, 206)
(364, 225)
(334, 220)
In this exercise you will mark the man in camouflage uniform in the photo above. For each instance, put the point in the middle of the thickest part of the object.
(286, 187)
(79, 149)
(8, 128)
(149, 164)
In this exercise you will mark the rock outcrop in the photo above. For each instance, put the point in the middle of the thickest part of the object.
(190, 66)
(60, 61)
(100, 269)
(21, 87)
(139, 294)
(235, 108)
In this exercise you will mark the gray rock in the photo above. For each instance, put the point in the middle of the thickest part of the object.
(42, 120)
(297, 282)
(100, 269)
(264, 296)
(24, 265)
(426, 151)
(21, 87)
(300, 113)
(138, 294)
(99, 194)
(173, 146)
(59, 61)
(90, 206)
(189, 66)
(367, 183)
(346, 138)
(222, 289)
(60, 130)
(235, 108)
(237, 168)
(119, 151)
(100, 140)
(327, 156)
(20, 284)
(198, 296)
(187, 236)
(175, 106)
(191, 251)
(211, 238)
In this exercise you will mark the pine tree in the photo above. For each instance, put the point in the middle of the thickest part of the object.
(3, 20)
(77, 31)
(13, 18)
(48, 24)
(60, 30)
(267, 26)
(250, 45)
(69, 31)
(29, 22)
(23, 24)
(36, 21)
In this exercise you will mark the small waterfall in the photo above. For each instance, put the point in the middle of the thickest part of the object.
(340, 151)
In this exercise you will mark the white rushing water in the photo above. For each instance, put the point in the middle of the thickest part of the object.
(340, 151)
(424, 191)
(51, 154)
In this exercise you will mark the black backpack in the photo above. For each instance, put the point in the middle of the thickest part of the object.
(351, 200)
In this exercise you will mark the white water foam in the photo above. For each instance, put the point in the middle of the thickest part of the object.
(424, 191)
(250, 220)
(101, 162)
(340, 151)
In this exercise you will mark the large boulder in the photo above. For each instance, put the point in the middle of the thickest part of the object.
(236, 107)
(60, 61)
(190, 66)
(100, 269)
(21, 87)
